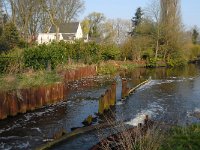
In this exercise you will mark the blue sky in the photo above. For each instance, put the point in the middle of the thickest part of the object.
(126, 9)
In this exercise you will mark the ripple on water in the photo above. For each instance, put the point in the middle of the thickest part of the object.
(153, 110)
(119, 103)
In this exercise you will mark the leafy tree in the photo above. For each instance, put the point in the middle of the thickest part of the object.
(195, 35)
(136, 20)
(172, 28)
(85, 24)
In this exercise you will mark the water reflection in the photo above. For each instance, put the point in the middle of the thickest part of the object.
(171, 96)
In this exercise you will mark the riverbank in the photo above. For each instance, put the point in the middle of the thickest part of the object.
(172, 96)
(158, 136)
(29, 90)
(37, 89)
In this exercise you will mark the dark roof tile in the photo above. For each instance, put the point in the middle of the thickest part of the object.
(66, 28)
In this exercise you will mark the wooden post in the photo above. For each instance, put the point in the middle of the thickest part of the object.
(106, 100)
(113, 94)
(124, 88)
(101, 105)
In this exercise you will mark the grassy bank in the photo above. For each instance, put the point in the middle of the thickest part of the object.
(28, 79)
(158, 138)
(182, 138)
(111, 67)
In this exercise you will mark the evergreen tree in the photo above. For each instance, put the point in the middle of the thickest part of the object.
(195, 35)
(10, 37)
(136, 21)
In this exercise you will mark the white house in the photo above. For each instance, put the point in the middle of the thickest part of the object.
(67, 32)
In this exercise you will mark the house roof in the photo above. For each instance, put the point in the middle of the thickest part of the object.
(68, 36)
(66, 28)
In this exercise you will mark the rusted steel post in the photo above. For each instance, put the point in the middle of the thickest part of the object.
(47, 95)
(76, 74)
(44, 101)
(32, 99)
(3, 106)
(38, 97)
(22, 100)
(41, 96)
(84, 71)
(50, 100)
(12, 102)
(72, 75)
(66, 76)
(60, 88)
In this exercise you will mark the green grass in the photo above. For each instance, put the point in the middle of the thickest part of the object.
(107, 69)
(26, 80)
(128, 66)
(183, 138)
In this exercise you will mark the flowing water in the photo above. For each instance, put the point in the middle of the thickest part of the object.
(171, 96)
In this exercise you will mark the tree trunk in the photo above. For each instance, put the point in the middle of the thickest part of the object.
(157, 47)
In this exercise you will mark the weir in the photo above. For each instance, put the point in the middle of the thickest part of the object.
(106, 101)
(157, 98)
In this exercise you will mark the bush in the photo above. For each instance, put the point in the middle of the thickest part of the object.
(11, 62)
(40, 57)
(152, 62)
(43, 56)
(194, 52)
(178, 62)
(107, 69)
(110, 52)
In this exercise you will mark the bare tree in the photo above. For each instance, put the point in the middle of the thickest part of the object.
(153, 12)
(62, 11)
(122, 28)
(69, 10)
(32, 16)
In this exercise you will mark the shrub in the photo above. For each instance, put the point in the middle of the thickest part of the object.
(11, 62)
(40, 57)
(110, 52)
(107, 69)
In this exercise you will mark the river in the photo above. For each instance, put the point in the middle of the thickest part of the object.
(171, 96)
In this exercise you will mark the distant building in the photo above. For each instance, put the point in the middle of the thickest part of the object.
(67, 32)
